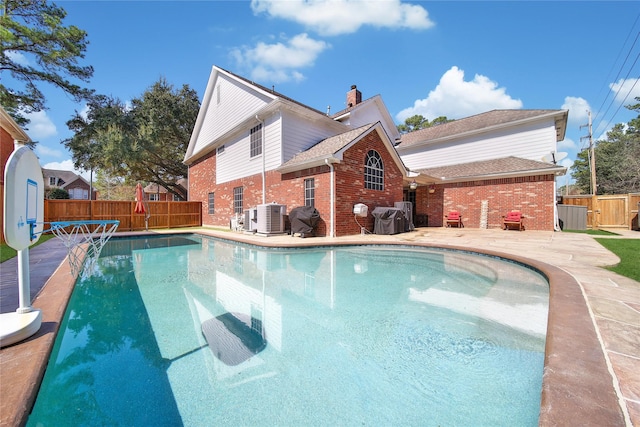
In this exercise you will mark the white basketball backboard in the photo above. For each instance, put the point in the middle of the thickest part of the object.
(23, 199)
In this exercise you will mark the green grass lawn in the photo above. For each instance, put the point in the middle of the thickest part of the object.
(7, 252)
(628, 250)
(592, 232)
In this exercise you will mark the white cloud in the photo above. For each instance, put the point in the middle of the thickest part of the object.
(281, 61)
(335, 17)
(625, 91)
(456, 98)
(42, 150)
(578, 110)
(40, 126)
(67, 165)
(17, 57)
(567, 144)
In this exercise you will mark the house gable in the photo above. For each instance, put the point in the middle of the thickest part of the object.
(369, 111)
(331, 150)
(227, 103)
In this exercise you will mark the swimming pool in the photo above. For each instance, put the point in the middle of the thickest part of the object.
(186, 330)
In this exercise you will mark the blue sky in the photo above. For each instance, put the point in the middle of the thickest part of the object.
(451, 58)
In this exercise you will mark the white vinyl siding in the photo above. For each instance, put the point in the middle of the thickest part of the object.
(300, 135)
(237, 161)
(532, 142)
(236, 104)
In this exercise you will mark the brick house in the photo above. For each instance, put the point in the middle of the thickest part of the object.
(158, 193)
(252, 146)
(487, 165)
(77, 187)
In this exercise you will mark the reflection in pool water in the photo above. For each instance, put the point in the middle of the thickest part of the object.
(185, 330)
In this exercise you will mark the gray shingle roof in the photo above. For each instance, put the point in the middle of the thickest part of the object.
(474, 123)
(496, 167)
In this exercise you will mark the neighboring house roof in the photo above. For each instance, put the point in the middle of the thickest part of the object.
(496, 168)
(7, 123)
(63, 178)
(483, 122)
(331, 149)
(155, 188)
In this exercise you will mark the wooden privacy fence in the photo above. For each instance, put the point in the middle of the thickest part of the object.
(163, 214)
(608, 211)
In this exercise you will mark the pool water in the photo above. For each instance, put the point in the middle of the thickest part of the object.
(194, 331)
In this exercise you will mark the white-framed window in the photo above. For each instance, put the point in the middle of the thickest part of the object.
(52, 180)
(154, 197)
(79, 193)
(373, 171)
(211, 208)
(237, 200)
(256, 140)
(309, 192)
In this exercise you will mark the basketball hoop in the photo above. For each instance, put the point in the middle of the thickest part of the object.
(84, 240)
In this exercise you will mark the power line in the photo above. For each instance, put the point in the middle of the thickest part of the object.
(601, 117)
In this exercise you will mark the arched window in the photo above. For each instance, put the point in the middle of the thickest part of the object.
(373, 171)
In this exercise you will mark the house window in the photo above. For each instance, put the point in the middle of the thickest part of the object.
(373, 171)
(154, 197)
(237, 200)
(256, 140)
(78, 193)
(221, 149)
(52, 180)
(211, 203)
(309, 192)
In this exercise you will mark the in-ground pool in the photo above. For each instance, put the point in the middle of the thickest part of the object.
(189, 330)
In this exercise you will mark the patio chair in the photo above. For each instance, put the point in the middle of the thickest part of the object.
(513, 221)
(454, 219)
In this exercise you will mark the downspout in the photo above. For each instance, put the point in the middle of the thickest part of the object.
(331, 199)
(264, 174)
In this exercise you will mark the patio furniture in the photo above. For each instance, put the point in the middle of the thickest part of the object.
(454, 219)
(513, 221)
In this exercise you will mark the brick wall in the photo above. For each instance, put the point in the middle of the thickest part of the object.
(350, 185)
(533, 196)
(288, 189)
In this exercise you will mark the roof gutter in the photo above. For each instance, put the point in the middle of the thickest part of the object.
(559, 171)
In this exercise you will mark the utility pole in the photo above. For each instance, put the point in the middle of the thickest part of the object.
(592, 155)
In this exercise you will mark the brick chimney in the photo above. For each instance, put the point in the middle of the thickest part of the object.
(354, 96)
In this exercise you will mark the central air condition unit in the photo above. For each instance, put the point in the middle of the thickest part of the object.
(271, 218)
(250, 219)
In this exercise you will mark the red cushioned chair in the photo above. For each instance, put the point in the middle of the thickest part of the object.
(513, 221)
(454, 219)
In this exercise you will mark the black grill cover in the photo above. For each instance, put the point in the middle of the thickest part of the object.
(303, 219)
(388, 220)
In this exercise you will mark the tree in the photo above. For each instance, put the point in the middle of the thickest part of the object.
(418, 122)
(92, 145)
(617, 160)
(113, 187)
(146, 142)
(36, 47)
(58, 193)
(164, 119)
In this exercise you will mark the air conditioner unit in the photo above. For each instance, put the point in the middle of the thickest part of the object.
(271, 218)
(250, 219)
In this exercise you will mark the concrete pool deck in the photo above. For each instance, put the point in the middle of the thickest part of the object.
(592, 363)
